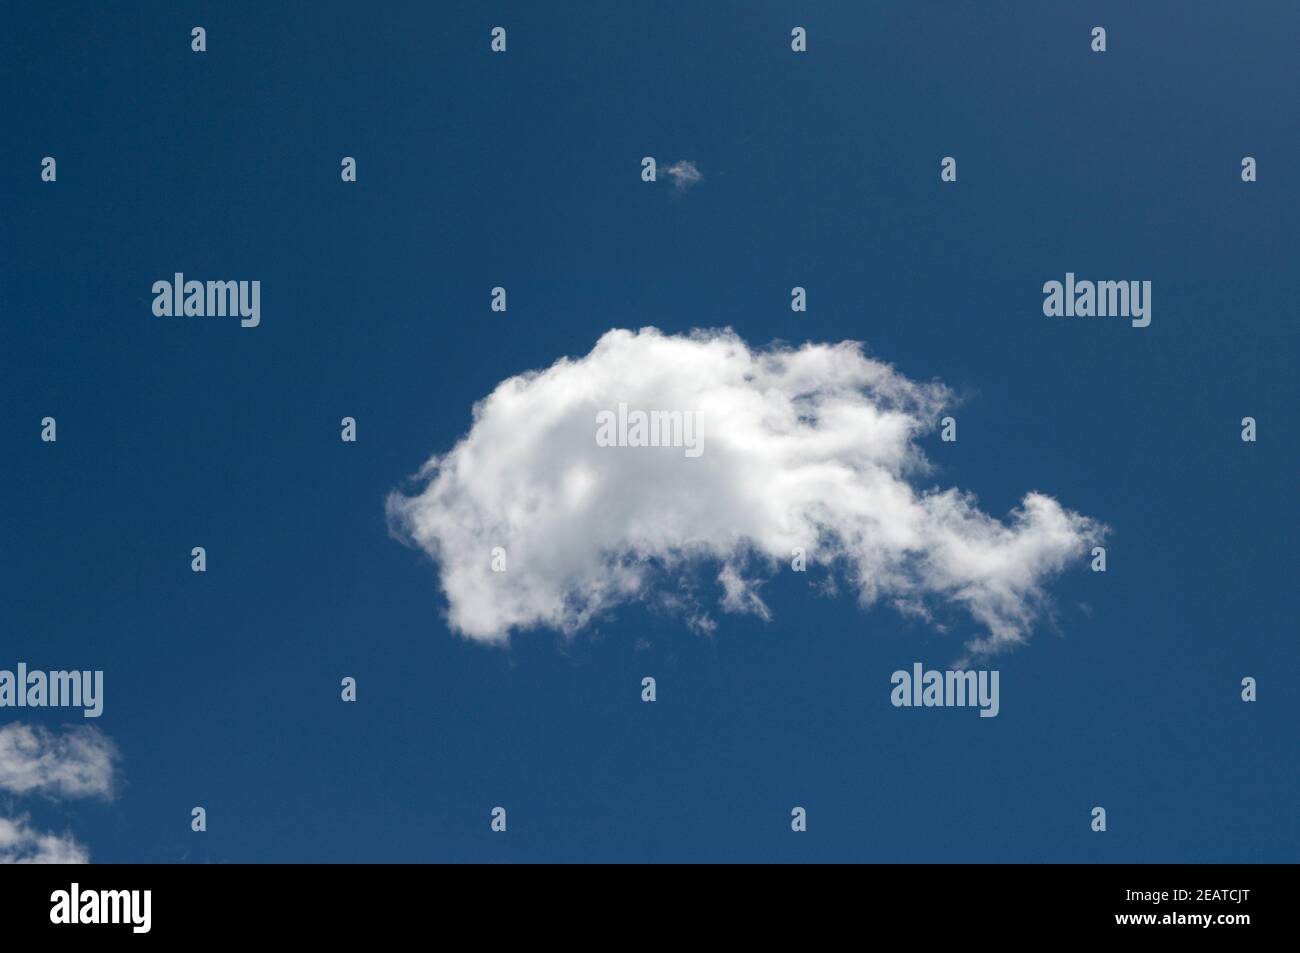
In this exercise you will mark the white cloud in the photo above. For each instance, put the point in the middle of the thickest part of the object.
(812, 447)
(20, 843)
(77, 763)
(80, 762)
(684, 174)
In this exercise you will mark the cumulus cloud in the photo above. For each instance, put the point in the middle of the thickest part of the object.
(77, 763)
(814, 448)
(684, 174)
(36, 761)
(20, 843)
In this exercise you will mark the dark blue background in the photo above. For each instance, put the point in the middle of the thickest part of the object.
(522, 170)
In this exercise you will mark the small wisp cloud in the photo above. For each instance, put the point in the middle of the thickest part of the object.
(684, 174)
(535, 522)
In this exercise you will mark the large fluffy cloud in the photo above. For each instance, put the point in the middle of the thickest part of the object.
(813, 448)
(79, 762)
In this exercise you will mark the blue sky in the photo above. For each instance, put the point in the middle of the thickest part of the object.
(522, 170)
